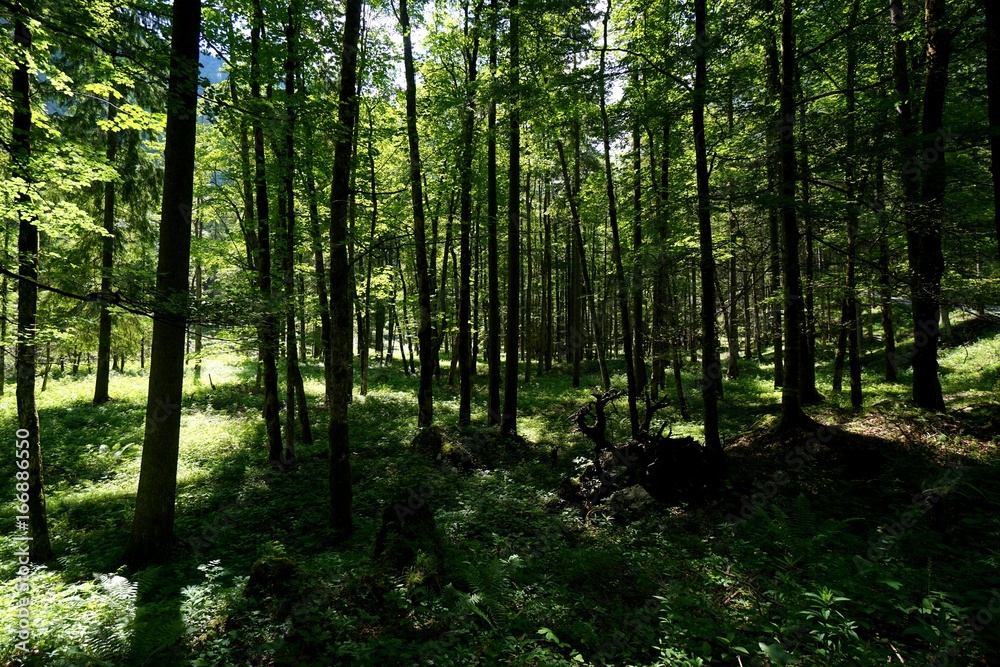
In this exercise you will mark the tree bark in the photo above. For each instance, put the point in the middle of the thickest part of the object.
(268, 328)
(850, 289)
(621, 287)
(425, 395)
(791, 405)
(993, 92)
(153, 524)
(508, 419)
(576, 336)
(295, 389)
(339, 380)
(107, 266)
(929, 261)
(492, 251)
(465, 221)
(711, 370)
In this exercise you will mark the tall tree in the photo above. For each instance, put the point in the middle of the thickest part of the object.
(268, 327)
(153, 523)
(107, 265)
(425, 335)
(993, 91)
(508, 419)
(852, 322)
(492, 251)
(40, 548)
(927, 260)
(791, 400)
(711, 370)
(616, 248)
(295, 390)
(339, 379)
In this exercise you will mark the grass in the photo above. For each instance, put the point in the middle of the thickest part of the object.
(879, 547)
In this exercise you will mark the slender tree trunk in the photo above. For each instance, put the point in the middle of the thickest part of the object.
(885, 282)
(268, 328)
(993, 91)
(808, 393)
(548, 333)
(465, 358)
(711, 371)
(579, 249)
(295, 389)
(850, 294)
(31, 513)
(153, 524)
(107, 266)
(508, 419)
(638, 324)
(48, 365)
(791, 405)
(339, 379)
(774, 89)
(732, 324)
(197, 304)
(4, 293)
(929, 265)
(320, 269)
(621, 286)
(526, 329)
(425, 395)
(365, 331)
(492, 250)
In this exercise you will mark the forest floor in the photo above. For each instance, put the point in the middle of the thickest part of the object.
(873, 540)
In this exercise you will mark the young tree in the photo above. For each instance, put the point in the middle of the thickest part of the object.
(153, 524)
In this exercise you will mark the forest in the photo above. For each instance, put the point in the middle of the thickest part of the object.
(647, 333)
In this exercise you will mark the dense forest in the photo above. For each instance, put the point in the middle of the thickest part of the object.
(482, 332)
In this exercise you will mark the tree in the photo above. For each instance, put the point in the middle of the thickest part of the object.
(622, 287)
(40, 548)
(993, 90)
(107, 265)
(339, 379)
(425, 335)
(791, 403)
(471, 55)
(153, 524)
(508, 420)
(492, 250)
(268, 328)
(711, 369)
(926, 259)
